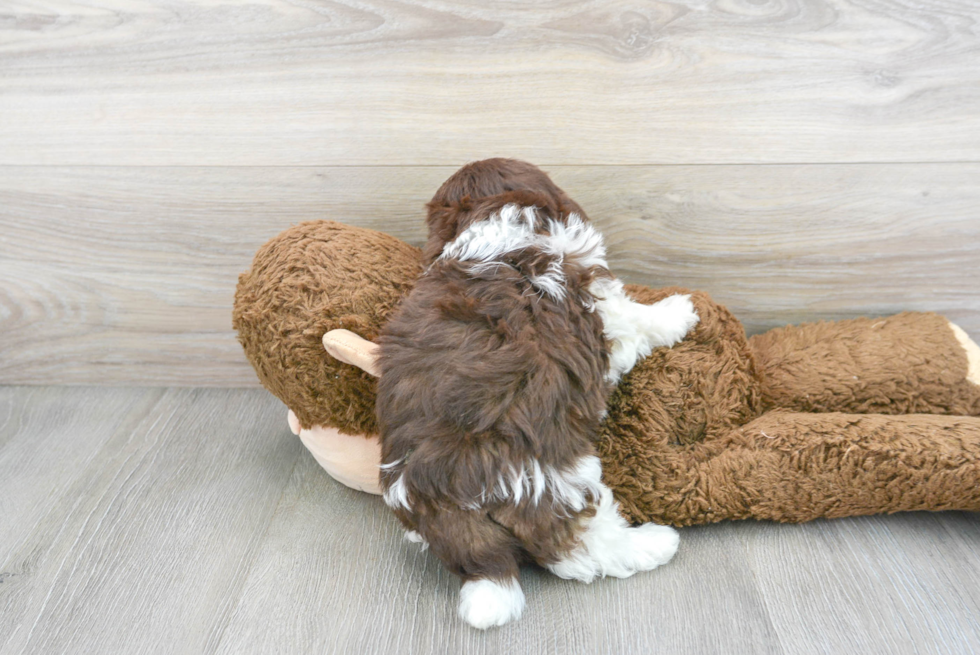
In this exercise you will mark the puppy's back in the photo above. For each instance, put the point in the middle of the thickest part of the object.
(488, 364)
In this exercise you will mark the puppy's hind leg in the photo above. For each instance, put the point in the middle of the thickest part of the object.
(610, 546)
(485, 556)
(488, 602)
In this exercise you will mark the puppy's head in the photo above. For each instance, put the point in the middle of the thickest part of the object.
(464, 197)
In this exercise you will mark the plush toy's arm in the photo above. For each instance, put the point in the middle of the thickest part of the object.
(796, 467)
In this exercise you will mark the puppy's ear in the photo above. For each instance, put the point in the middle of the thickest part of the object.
(443, 220)
(544, 202)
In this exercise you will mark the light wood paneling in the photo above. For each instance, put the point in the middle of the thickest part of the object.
(788, 244)
(191, 521)
(384, 82)
(127, 274)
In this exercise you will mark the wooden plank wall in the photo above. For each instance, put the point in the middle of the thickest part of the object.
(798, 159)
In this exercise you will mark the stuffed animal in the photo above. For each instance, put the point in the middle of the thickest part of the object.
(821, 420)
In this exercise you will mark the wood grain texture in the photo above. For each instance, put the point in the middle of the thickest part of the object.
(41, 460)
(348, 582)
(831, 565)
(116, 275)
(789, 244)
(191, 521)
(143, 547)
(384, 82)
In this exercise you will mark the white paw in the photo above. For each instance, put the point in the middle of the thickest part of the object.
(416, 538)
(579, 565)
(487, 603)
(653, 545)
(675, 317)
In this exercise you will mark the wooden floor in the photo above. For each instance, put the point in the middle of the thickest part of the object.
(192, 521)
(797, 159)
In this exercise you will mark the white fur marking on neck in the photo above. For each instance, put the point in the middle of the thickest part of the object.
(576, 240)
(494, 237)
(513, 228)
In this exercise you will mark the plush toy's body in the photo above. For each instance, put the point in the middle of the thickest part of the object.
(828, 419)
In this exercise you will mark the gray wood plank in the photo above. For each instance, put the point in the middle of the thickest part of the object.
(49, 436)
(147, 549)
(883, 584)
(384, 82)
(335, 575)
(119, 275)
(152, 521)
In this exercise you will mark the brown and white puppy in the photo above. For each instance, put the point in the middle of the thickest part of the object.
(494, 376)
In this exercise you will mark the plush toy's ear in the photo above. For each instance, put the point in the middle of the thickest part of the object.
(352, 349)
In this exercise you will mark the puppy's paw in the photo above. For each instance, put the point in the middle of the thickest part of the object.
(673, 318)
(653, 545)
(416, 538)
(487, 603)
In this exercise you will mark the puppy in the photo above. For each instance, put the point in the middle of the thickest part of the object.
(495, 372)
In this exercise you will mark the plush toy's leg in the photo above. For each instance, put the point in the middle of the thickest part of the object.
(795, 467)
(909, 363)
(972, 351)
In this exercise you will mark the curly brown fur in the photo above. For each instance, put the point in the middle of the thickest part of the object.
(482, 376)
(485, 179)
(494, 377)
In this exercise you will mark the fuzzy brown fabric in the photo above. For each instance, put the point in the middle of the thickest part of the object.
(795, 467)
(903, 364)
(314, 277)
(708, 430)
(481, 374)
(686, 440)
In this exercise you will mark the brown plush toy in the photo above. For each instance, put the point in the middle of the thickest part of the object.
(828, 419)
